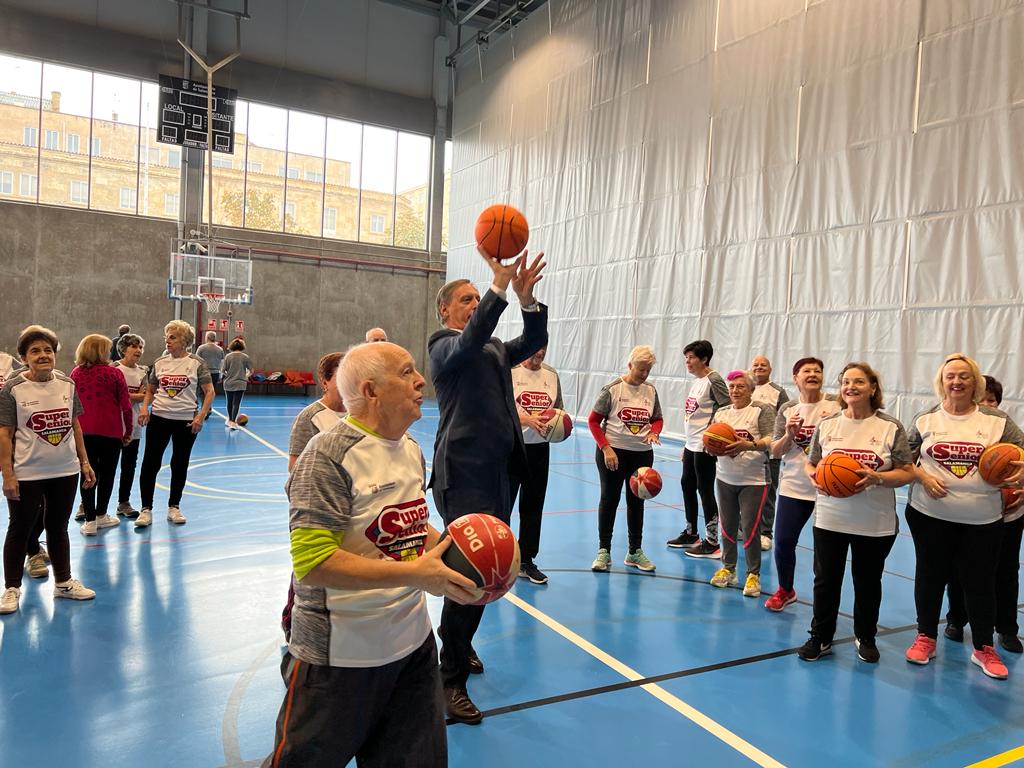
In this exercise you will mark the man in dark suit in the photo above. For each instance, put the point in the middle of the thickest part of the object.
(479, 439)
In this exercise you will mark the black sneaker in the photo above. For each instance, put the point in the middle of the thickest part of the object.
(533, 573)
(954, 632)
(683, 540)
(867, 650)
(814, 649)
(703, 548)
(1011, 642)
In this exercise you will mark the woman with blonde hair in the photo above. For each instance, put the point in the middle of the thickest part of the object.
(176, 383)
(626, 421)
(106, 425)
(41, 454)
(955, 517)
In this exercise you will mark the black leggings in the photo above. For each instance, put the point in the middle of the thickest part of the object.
(234, 403)
(699, 470)
(159, 432)
(611, 492)
(103, 454)
(129, 458)
(970, 550)
(58, 494)
(531, 503)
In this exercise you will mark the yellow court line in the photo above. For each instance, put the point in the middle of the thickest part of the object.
(690, 713)
(998, 760)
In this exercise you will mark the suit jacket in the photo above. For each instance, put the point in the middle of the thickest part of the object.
(479, 438)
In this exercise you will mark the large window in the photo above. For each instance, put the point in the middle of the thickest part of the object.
(20, 88)
(62, 166)
(73, 137)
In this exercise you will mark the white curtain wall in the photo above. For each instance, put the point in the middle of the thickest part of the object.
(785, 177)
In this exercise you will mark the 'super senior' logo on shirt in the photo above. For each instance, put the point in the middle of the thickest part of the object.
(635, 419)
(173, 384)
(51, 426)
(534, 402)
(958, 458)
(400, 530)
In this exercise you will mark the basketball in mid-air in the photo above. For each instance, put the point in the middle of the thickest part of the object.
(645, 483)
(484, 550)
(837, 474)
(559, 424)
(502, 232)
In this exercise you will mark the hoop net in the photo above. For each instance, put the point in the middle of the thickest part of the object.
(213, 301)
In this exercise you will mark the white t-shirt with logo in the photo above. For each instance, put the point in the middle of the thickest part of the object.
(793, 480)
(628, 411)
(135, 378)
(42, 413)
(707, 394)
(754, 422)
(949, 447)
(8, 365)
(879, 442)
(177, 383)
(372, 490)
(535, 391)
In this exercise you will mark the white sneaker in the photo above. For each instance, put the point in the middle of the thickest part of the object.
(766, 543)
(80, 514)
(37, 566)
(174, 516)
(230, 425)
(88, 528)
(73, 589)
(145, 518)
(126, 509)
(107, 521)
(10, 599)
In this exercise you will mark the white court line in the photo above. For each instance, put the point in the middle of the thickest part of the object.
(690, 713)
(253, 435)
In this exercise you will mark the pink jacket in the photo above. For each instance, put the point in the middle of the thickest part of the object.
(104, 396)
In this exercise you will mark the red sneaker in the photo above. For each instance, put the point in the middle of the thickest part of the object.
(922, 650)
(990, 663)
(780, 599)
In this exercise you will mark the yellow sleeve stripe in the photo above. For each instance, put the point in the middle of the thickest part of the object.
(311, 546)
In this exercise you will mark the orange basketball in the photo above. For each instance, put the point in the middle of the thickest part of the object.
(502, 232)
(837, 474)
(717, 437)
(994, 462)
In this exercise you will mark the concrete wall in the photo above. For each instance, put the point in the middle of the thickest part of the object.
(81, 272)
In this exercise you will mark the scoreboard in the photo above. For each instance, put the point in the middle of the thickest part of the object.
(182, 118)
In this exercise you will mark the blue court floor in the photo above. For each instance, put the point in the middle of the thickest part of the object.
(176, 661)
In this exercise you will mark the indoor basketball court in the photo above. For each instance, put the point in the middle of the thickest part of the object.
(812, 182)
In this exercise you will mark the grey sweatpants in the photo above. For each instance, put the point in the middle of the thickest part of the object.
(739, 509)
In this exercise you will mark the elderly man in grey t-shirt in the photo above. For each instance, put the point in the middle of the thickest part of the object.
(212, 354)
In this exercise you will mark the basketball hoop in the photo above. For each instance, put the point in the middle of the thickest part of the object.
(213, 301)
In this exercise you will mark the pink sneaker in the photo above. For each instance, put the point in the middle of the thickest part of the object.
(990, 663)
(922, 650)
(780, 599)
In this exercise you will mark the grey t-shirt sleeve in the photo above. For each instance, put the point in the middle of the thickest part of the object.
(8, 407)
(203, 377)
(302, 432)
(558, 394)
(766, 420)
(656, 412)
(719, 390)
(914, 439)
(1012, 433)
(76, 406)
(319, 492)
(783, 397)
(814, 454)
(603, 405)
(780, 423)
(901, 453)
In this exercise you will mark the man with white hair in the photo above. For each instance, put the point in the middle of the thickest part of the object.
(479, 442)
(375, 335)
(775, 396)
(361, 667)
